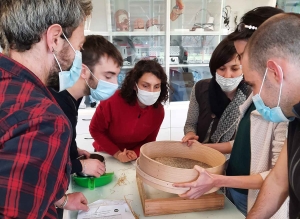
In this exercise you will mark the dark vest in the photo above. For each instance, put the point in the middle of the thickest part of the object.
(207, 121)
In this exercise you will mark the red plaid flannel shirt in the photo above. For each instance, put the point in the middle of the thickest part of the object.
(34, 145)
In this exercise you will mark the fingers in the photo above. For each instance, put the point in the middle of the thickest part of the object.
(83, 207)
(83, 152)
(76, 201)
(94, 167)
(189, 136)
(123, 157)
(100, 168)
(191, 194)
(184, 195)
(184, 185)
(190, 142)
(126, 156)
(193, 141)
(199, 169)
(83, 203)
(86, 154)
(184, 139)
(83, 199)
(134, 157)
(131, 155)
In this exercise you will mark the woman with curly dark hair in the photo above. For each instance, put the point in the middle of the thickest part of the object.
(133, 115)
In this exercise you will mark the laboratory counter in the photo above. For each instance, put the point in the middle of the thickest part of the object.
(124, 186)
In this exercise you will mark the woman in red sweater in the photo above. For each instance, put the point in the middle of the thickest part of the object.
(133, 115)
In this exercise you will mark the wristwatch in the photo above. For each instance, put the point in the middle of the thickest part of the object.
(64, 202)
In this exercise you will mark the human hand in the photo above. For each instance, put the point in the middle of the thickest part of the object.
(131, 155)
(93, 167)
(83, 152)
(194, 143)
(122, 156)
(76, 202)
(201, 185)
(189, 136)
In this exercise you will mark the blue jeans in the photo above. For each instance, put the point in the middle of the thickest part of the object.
(238, 199)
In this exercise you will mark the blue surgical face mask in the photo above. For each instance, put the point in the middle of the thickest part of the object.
(273, 115)
(68, 78)
(104, 89)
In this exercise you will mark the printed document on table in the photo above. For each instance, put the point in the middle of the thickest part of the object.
(107, 209)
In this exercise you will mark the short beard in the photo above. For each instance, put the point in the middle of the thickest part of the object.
(64, 60)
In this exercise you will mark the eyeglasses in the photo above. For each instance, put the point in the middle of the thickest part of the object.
(241, 27)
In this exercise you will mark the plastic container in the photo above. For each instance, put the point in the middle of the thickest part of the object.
(92, 182)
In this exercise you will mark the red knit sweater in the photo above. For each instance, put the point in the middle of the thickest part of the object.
(116, 125)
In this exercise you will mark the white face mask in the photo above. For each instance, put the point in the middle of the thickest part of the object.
(147, 98)
(228, 84)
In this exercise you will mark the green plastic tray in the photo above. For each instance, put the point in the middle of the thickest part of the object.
(92, 182)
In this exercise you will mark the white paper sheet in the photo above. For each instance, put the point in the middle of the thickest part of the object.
(107, 209)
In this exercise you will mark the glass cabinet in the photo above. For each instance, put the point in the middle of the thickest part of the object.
(180, 34)
(289, 5)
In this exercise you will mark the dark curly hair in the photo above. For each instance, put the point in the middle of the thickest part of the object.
(129, 94)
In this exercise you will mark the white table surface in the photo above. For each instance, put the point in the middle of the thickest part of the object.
(129, 189)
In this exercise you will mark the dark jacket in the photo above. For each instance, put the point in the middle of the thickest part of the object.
(206, 117)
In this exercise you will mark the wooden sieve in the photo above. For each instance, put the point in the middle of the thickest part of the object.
(162, 177)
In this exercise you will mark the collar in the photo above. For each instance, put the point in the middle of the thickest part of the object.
(22, 73)
(296, 110)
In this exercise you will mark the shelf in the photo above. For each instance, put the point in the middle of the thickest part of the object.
(175, 38)
(188, 65)
(127, 66)
(131, 66)
(138, 33)
(197, 33)
(102, 33)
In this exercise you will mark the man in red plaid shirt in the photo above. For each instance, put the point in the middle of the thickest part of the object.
(35, 134)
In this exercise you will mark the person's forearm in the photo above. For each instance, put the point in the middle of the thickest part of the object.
(272, 193)
(224, 147)
(116, 154)
(274, 190)
(241, 182)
